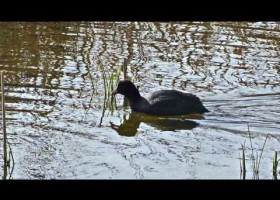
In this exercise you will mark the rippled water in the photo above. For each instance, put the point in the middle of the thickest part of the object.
(61, 125)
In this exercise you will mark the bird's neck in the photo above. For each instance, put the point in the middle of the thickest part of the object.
(136, 97)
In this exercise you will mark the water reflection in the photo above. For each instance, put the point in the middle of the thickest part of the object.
(130, 126)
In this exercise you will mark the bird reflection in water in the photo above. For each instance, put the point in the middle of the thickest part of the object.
(130, 126)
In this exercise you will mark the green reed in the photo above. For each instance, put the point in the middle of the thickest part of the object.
(255, 157)
(110, 81)
(275, 165)
(7, 153)
(243, 163)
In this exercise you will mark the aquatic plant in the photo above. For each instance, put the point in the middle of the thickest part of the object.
(275, 165)
(243, 163)
(254, 157)
(7, 153)
(110, 80)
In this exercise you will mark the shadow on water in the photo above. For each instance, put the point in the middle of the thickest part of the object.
(130, 126)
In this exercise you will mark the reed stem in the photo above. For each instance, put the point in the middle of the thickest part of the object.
(4, 126)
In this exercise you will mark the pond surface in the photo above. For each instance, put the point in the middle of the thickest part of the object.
(62, 124)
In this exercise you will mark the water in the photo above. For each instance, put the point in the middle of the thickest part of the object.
(62, 126)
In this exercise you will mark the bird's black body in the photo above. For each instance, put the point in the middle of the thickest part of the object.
(162, 102)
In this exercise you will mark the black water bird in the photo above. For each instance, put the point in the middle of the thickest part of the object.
(162, 102)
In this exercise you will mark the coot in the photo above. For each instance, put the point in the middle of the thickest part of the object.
(162, 102)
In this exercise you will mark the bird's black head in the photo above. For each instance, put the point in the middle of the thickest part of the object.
(126, 88)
